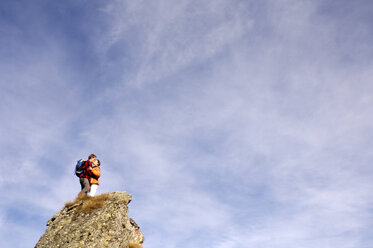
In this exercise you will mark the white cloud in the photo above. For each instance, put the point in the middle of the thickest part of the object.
(169, 36)
(244, 120)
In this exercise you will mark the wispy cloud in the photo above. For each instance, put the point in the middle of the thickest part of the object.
(232, 124)
(170, 36)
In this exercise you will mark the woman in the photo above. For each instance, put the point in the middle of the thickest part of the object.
(95, 169)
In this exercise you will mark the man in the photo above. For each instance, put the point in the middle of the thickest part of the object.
(87, 174)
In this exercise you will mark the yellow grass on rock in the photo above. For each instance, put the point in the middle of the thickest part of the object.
(88, 203)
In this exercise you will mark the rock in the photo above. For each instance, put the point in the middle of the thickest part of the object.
(100, 221)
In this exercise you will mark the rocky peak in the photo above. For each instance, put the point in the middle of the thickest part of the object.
(99, 221)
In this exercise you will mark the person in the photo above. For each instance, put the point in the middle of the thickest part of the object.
(84, 178)
(95, 169)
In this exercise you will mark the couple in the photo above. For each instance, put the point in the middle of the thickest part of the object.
(89, 177)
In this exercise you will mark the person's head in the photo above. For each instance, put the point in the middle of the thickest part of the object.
(92, 158)
(97, 162)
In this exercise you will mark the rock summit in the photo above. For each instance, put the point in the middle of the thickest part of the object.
(99, 221)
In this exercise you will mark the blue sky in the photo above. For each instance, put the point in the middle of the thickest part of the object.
(232, 123)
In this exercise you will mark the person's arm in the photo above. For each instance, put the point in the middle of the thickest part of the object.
(88, 168)
(96, 172)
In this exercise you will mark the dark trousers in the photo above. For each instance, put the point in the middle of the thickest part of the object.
(85, 185)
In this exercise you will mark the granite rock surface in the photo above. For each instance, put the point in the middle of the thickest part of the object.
(100, 221)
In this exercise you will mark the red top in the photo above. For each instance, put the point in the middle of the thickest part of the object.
(86, 171)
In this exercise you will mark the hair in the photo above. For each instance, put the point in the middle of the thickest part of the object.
(91, 156)
(98, 162)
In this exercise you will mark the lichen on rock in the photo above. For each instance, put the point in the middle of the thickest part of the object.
(100, 221)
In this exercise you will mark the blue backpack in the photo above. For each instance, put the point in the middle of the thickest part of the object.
(79, 167)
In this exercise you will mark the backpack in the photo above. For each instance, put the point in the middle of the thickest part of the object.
(79, 167)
